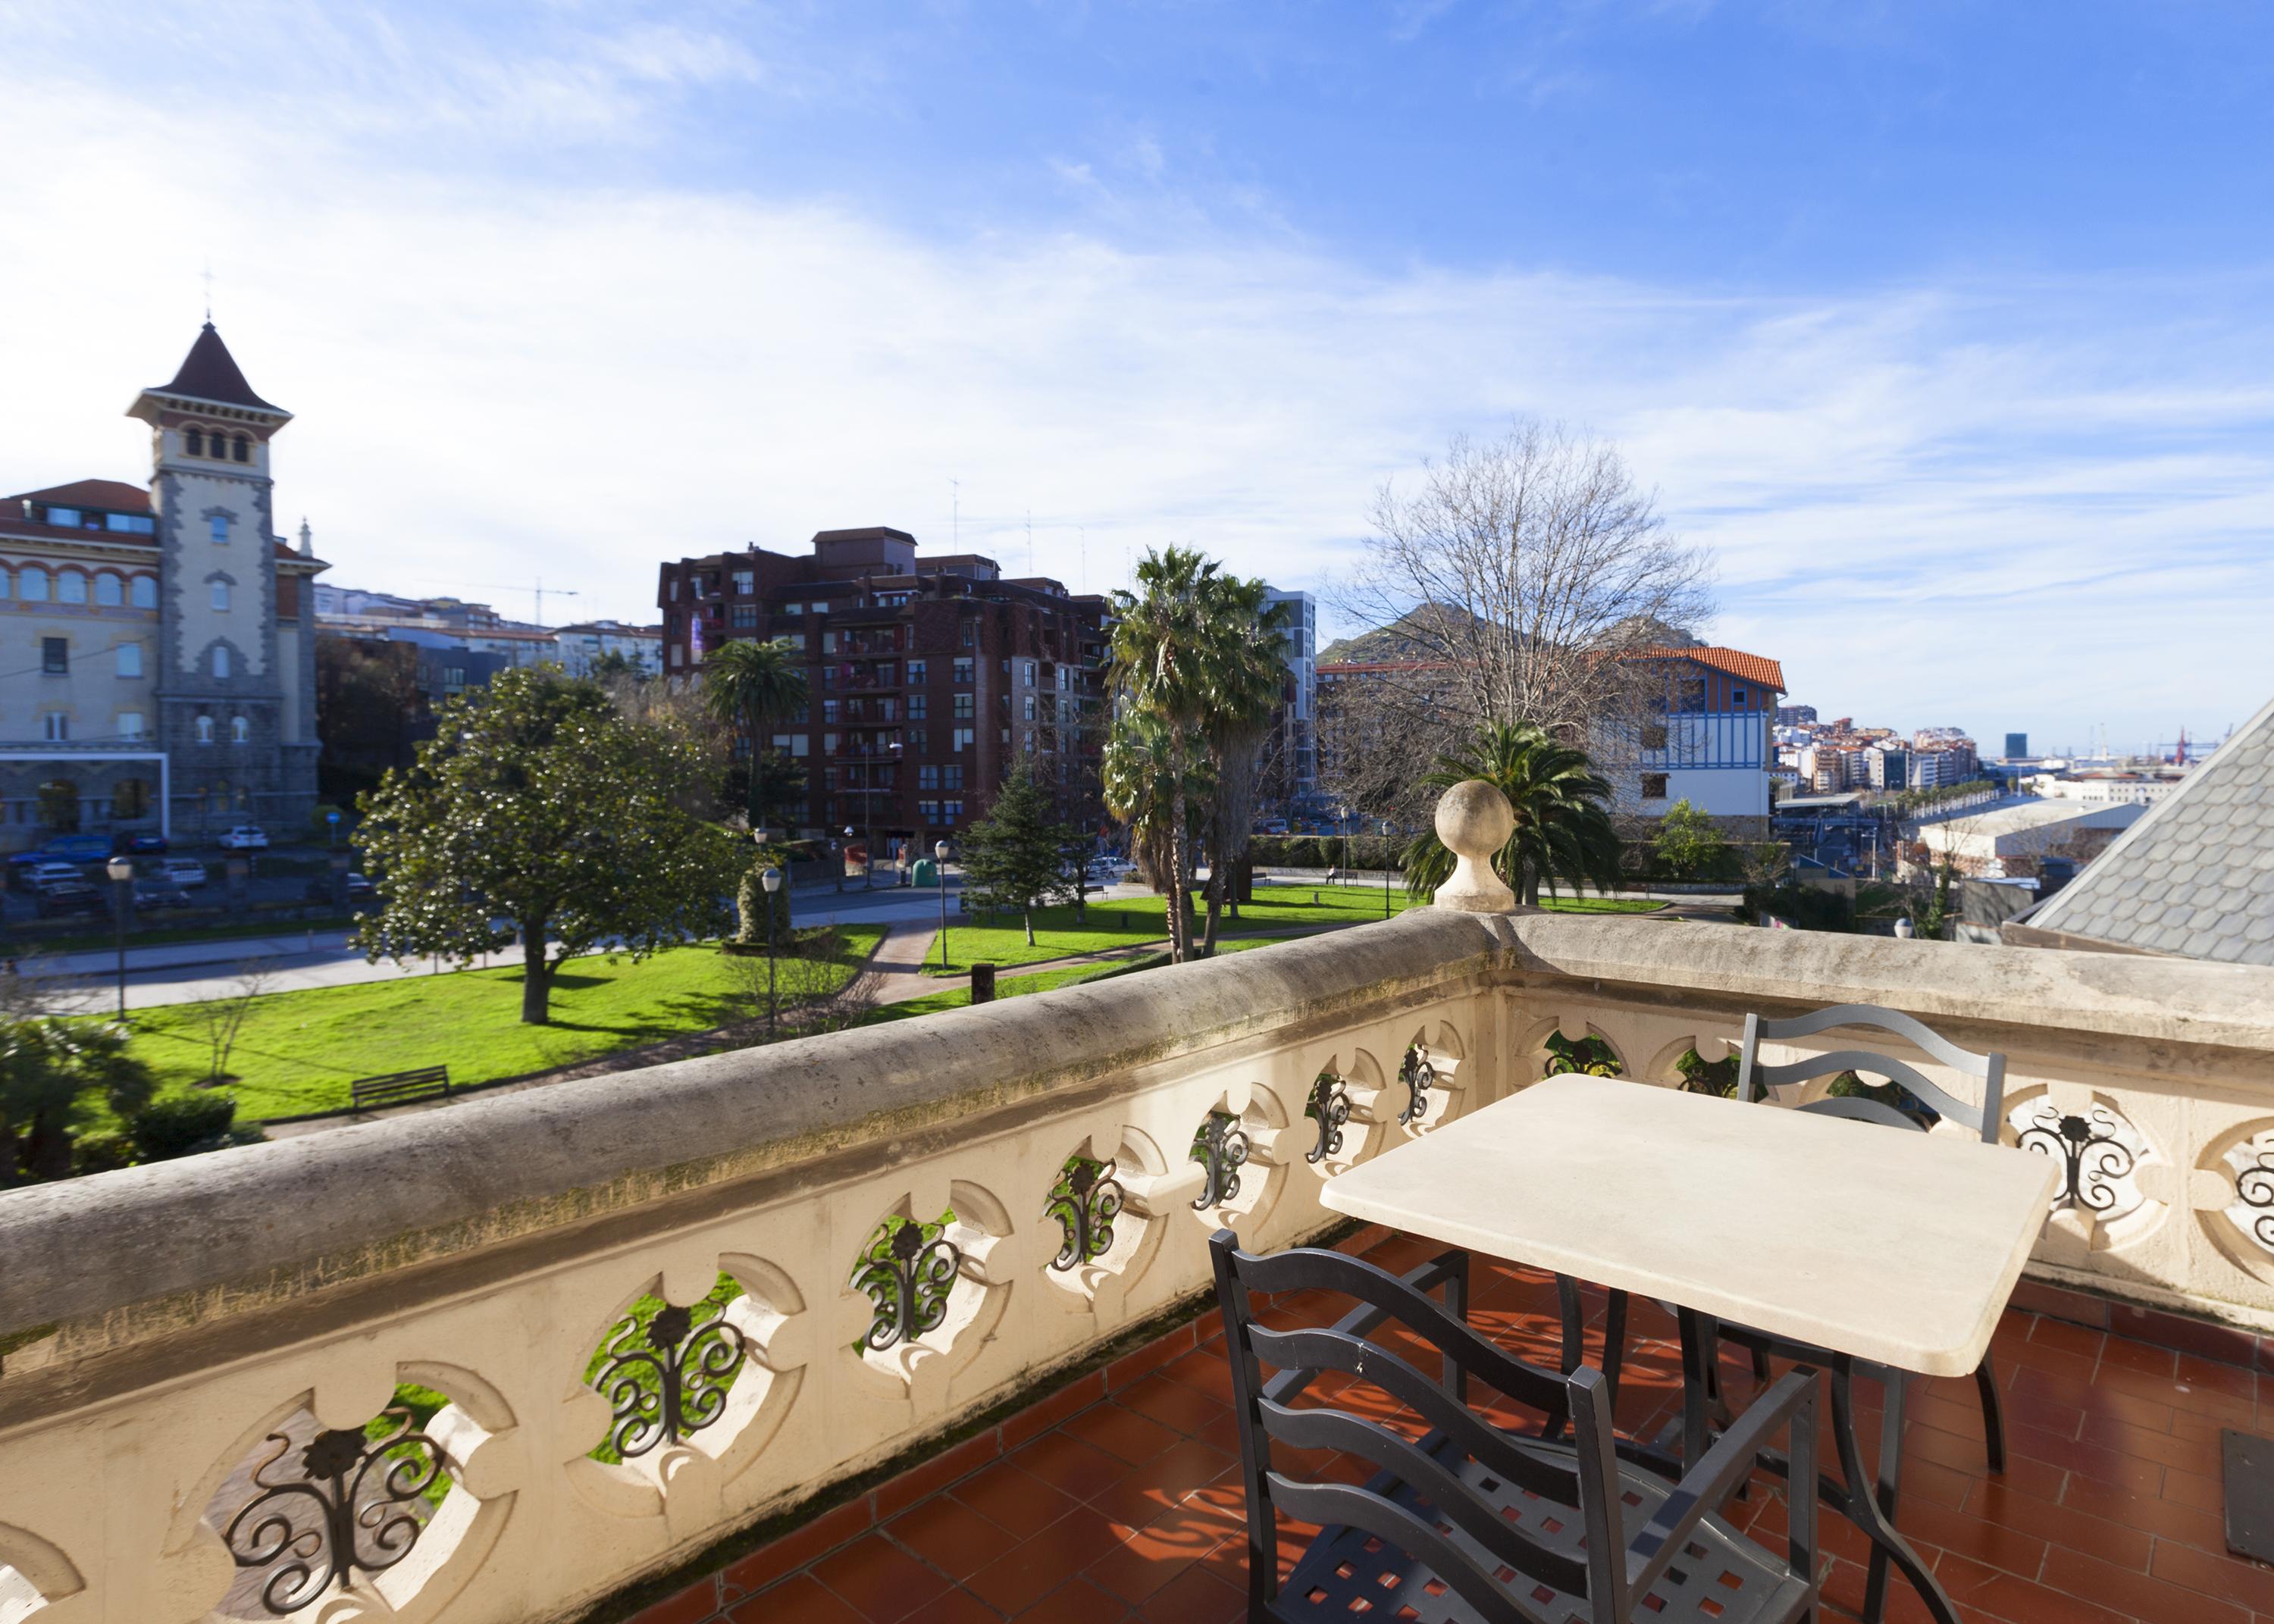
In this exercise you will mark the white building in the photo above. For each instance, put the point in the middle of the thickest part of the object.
(1985, 842)
(1705, 734)
(581, 647)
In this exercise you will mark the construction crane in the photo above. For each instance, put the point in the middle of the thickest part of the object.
(540, 590)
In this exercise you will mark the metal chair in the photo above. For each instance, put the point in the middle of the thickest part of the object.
(1468, 1522)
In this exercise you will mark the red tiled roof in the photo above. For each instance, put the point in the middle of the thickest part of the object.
(114, 494)
(1748, 667)
(209, 372)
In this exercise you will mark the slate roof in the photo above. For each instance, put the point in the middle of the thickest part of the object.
(209, 372)
(115, 495)
(2195, 876)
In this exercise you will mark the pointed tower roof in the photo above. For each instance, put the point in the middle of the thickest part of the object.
(209, 372)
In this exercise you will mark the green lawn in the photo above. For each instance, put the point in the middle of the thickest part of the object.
(1039, 981)
(299, 1050)
(1124, 922)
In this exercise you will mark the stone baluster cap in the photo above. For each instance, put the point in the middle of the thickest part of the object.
(1475, 821)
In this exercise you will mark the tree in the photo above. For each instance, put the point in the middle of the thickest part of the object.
(1140, 773)
(1506, 575)
(1015, 857)
(1689, 841)
(47, 1067)
(221, 1012)
(537, 804)
(1564, 830)
(1247, 669)
(754, 685)
(370, 711)
(614, 665)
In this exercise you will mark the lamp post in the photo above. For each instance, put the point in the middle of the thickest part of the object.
(121, 870)
(939, 854)
(866, 857)
(1385, 868)
(771, 880)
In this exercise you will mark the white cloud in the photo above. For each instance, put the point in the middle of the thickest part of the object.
(1998, 506)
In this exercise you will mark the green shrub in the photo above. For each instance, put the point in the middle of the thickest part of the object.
(102, 1150)
(188, 1125)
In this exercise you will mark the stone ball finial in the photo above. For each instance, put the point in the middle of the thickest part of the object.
(1475, 821)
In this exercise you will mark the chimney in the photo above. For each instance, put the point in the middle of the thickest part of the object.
(307, 541)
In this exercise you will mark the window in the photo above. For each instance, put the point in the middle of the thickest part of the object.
(962, 673)
(792, 608)
(746, 582)
(829, 744)
(745, 617)
(677, 654)
(221, 594)
(829, 642)
(672, 592)
(970, 636)
(144, 593)
(205, 730)
(795, 639)
(918, 740)
(131, 524)
(793, 744)
(131, 797)
(927, 776)
(1653, 787)
(888, 709)
(928, 812)
(951, 776)
(129, 728)
(217, 526)
(193, 441)
(915, 672)
(887, 671)
(108, 592)
(964, 737)
(919, 706)
(832, 710)
(1030, 707)
(240, 450)
(1737, 698)
(31, 585)
(6, 583)
(951, 812)
(64, 518)
(130, 659)
(1026, 675)
(55, 656)
(965, 705)
(220, 660)
(829, 676)
(71, 587)
(453, 678)
(57, 726)
(240, 730)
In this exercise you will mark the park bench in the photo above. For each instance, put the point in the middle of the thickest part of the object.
(399, 1087)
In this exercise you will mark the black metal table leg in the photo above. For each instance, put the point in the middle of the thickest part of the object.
(1870, 1506)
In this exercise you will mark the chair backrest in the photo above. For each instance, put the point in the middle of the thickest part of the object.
(1267, 1417)
(1754, 1079)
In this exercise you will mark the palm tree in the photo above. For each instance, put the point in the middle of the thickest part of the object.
(1140, 786)
(1563, 829)
(1160, 658)
(1248, 670)
(753, 685)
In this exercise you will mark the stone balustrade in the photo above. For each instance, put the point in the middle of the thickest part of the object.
(495, 1362)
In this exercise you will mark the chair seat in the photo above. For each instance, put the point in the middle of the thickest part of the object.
(1723, 1577)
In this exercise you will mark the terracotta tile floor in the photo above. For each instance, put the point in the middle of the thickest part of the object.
(1118, 1498)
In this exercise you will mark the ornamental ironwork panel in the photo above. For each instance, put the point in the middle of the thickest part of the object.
(1700, 1075)
(667, 1378)
(2254, 1187)
(1085, 1200)
(1419, 1076)
(906, 1271)
(2093, 1158)
(1329, 1106)
(1221, 1146)
(1587, 1055)
(351, 1495)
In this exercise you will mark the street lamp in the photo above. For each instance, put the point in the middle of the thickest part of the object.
(1385, 868)
(121, 870)
(771, 880)
(865, 860)
(939, 854)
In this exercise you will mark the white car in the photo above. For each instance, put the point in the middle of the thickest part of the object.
(40, 876)
(1110, 870)
(245, 837)
(181, 871)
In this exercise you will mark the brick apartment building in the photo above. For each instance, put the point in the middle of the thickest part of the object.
(928, 678)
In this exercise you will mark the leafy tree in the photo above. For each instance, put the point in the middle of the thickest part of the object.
(615, 663)
(1142, 772)
(1247, 669)
(48, 1067)
(753, 685)
(538, 803)
(1563, 829)
(1689, 841)
(1014, 858)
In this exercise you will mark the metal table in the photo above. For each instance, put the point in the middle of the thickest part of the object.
(1894, 1249)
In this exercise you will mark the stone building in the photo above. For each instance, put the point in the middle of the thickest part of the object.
(159, 656)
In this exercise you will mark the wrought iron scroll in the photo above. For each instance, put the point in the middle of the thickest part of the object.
(906, 1271)
(348, 1510)
(2093, 1159)
(1329, 1106)
(2254, 1187)
(668, 1379)
(1221, 1146)
(1418, 1075)
(1587, 1055)
(1085, 1200)
(1700, 1075)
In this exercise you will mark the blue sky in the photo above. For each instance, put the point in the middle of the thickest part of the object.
(1945, 325)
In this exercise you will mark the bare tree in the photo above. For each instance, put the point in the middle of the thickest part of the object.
(806, 986)
(219, 1014)
(1511, 569)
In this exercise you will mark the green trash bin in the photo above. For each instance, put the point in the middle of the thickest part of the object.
(926, 875)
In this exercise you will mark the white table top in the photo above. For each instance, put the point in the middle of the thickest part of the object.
(1899, 1248)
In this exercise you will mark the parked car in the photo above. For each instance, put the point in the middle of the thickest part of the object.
(1110, 870)
(68, 897)
(40, 876)
(358, 888)
(64, 848)
(245, 837)
(139, 845)
(148, 896)
(181, 871)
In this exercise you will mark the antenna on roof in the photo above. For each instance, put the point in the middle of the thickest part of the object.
(955, 511)
(1084, 530)
(209, 276)
(1030, 541)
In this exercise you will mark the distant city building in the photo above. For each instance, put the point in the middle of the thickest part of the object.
(1889, 767)
(928, 677)
(1292, 770)
(164, 676)
(1989, 844)
(1794, 716)
(2017, 746)
(582, 647)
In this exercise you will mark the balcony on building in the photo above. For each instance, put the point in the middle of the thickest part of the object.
(843, 1328)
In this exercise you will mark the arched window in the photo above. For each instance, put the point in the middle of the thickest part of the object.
(221, 594)
(217, 526)
(7, 582)
(193, 441)
(220, 660)
(71, 587)
(205, 730)
(32, 584)
(108, 592)
(240, 730)
(144, 593)
(130, 798)
(59, 806)
(240, 449)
